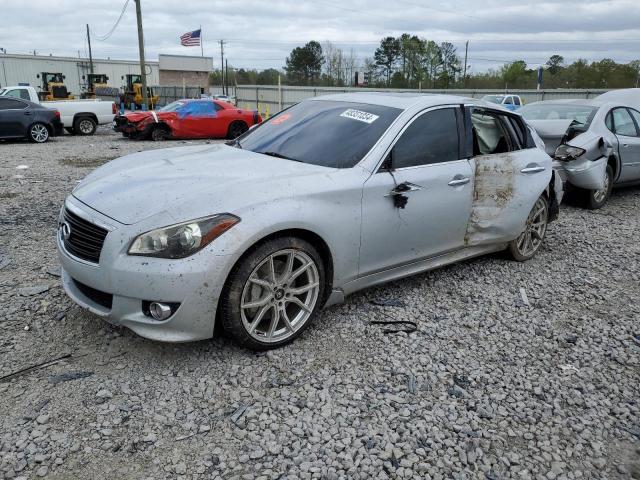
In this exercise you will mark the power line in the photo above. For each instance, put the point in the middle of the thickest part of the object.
(113, 29)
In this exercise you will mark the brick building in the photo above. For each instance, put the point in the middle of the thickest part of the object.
(178, 70)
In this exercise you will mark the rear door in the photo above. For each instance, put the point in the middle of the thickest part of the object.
(510, 173)
(15, 118)
(417, 204)
(626, 124)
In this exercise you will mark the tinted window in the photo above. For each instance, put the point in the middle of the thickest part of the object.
(10, 104)
(623, 124)
(322, 132)
(490, 135)
(431, 138)
(516, 100)
(519, 130)
(508, 101)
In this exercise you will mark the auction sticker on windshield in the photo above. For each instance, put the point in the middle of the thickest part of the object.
(359, 115)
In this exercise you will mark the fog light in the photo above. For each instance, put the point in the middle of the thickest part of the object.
(159, 311)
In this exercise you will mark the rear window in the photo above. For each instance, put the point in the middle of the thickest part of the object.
(581, 114)
(326, 133)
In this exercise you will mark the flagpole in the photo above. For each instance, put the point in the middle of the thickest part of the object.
(201, 42)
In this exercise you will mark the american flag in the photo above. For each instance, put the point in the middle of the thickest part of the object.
(191, 39)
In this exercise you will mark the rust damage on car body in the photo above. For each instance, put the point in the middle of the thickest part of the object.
(493, 188)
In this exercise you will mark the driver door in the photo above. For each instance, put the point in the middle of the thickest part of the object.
(427, 169)
(627, 133)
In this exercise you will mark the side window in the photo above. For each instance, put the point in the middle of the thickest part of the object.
(623, 123)
(609, 121)
(217, 107)
(508, 101)
(490, 134)
(519, 130)
(24, 94)
(13, 93)
(516, 100)
(636, 116)
(10, 104)
(431, 138)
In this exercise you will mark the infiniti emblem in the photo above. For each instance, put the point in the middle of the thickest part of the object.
(65, 229)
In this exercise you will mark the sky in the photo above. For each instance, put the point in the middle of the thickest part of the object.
(261, 33)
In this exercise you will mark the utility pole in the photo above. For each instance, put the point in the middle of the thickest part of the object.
(222, 63)
(466, 51)
(143, 70)
(90, 55)
(226, 76)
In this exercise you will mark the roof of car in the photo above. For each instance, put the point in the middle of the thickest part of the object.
(398, 99)
(587, 102)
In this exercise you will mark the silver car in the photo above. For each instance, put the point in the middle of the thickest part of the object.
(595, 143)
(330, 196)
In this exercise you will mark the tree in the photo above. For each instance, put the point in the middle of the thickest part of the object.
(431, 61)
(305, 63)
(450, 63)
(513, 73)
(555, 64)
(386, 56)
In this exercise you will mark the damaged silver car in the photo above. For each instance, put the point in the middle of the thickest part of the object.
(595, 143)
(333, 195)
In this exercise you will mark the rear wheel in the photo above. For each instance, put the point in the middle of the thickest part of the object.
(273, 293)
(85, 126)
(159, 133)
(236, 129)
(596, 199)
(528, 243)
(38, 133)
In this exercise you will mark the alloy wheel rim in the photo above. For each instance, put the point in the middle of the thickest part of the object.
(600, 195)
(39, 133)
(279, 296)
(531, 239)
(86, 126)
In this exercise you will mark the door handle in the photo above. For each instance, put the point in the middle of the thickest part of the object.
(456, 182)
(404, 187)
(28, 113)
(533, 169)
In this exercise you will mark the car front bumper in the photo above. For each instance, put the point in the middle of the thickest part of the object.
(116, 288)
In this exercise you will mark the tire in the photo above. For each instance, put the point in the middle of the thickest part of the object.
(236, 129)
(85, 126)
(253, 327)
(528, 243)
(159, 133)
(70, 130)
(38, 133)
(595, 199)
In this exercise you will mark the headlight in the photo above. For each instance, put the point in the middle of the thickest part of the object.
(567, 152)
(183, 239)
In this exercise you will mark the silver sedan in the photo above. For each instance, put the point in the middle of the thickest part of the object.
(330, 196)
(596, 143)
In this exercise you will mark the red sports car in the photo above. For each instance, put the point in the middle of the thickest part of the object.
(188, 119)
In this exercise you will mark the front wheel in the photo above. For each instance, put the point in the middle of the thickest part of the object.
(273, 293)
(160, 133)
(528, 243)
(236, 129)
(38, 133)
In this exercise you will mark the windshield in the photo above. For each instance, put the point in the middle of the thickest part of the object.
(493, 98)
(582, 114)
(172, 107)
(325, 133)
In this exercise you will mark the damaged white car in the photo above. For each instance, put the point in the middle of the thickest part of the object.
(330, 196)
(595, 143)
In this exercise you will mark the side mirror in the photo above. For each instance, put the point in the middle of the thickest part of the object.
(83, 77)
(38, 76)
(64, 77)
(122, 77)
(107, 78)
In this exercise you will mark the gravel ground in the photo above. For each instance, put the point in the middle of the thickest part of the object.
(489, 386)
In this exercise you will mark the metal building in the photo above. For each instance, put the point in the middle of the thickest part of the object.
(16, 69)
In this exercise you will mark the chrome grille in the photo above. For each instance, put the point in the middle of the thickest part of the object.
(85, 239)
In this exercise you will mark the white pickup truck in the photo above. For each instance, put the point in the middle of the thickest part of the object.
(78, 116)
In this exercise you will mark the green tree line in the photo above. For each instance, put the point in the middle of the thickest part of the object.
(409, 61)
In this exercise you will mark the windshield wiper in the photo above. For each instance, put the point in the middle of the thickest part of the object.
(279, 155)
(234, 143)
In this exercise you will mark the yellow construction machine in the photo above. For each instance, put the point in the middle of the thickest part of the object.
(53, 87)
(94, 82)
(133, 92)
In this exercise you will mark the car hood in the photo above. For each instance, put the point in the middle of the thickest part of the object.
(189, 182)
(135, 117)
